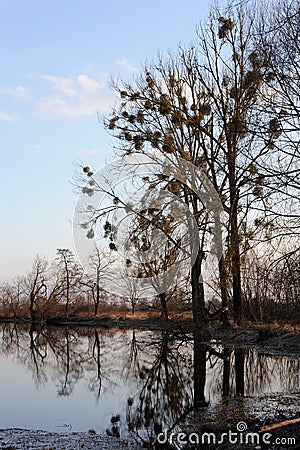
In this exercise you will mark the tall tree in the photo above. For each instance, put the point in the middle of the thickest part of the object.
(278, 34)
(211, 106)
(69, 274)
(204, 105)
(35, 285)
(98, 265)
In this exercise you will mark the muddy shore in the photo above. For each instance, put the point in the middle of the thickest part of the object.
(17, 439)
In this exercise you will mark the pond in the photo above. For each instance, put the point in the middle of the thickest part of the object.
(61, 379)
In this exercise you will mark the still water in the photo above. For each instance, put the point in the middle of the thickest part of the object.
(59, 379)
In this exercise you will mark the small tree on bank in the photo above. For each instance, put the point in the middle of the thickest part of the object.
(35, 285)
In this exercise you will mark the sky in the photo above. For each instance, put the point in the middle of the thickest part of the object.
(57, 61)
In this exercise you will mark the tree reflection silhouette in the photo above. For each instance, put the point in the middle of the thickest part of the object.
(169, 377)
(226, 371)
(166, 392)
(200, 355)
(239, 359)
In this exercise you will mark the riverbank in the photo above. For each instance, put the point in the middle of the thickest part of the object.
(17, 439)
(274, 339)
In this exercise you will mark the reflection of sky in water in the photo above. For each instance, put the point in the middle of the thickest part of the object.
(27, 402)
(22, 405)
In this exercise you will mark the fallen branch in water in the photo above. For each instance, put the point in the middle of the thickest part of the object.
(273, 426)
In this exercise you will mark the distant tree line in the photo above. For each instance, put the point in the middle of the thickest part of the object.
(62, 289)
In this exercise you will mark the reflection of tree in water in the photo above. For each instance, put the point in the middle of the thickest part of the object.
(66, 355)
(38, 354)
(25, 344)
(56, 353)
(10, 337)
(95, 381)
(107, 356)
(239, 367)
(170, 377)
(165, 373)
(132, 366)
(262, 369)
(50, 352)
(200, 356)
(244, 372)
(70, 364)
(174, 381)
(226, 371)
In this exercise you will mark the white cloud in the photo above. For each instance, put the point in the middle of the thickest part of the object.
(6, 117)
(126, 65)
(62, 85)
(18, 93)
(93, 151)
(75, 97)
(88, 83)
(21, 93)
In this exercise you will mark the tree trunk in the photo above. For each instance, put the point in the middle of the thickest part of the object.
(198, 300)
(236, 273)
(97, 296)
(234, 239)
(164, 308)
(223, 287)
(133, 306)
(32, 312)
(67, 293)
(222, 269)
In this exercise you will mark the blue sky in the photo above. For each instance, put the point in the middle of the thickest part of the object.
(57, 59)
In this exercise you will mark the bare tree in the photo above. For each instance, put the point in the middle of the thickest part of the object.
(202, 106)
(35, 285)
(69, 274)
(278, 34)
(213, 104)
(98, 266)
(13, 298)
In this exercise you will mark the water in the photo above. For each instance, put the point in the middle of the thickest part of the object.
(59, 379)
